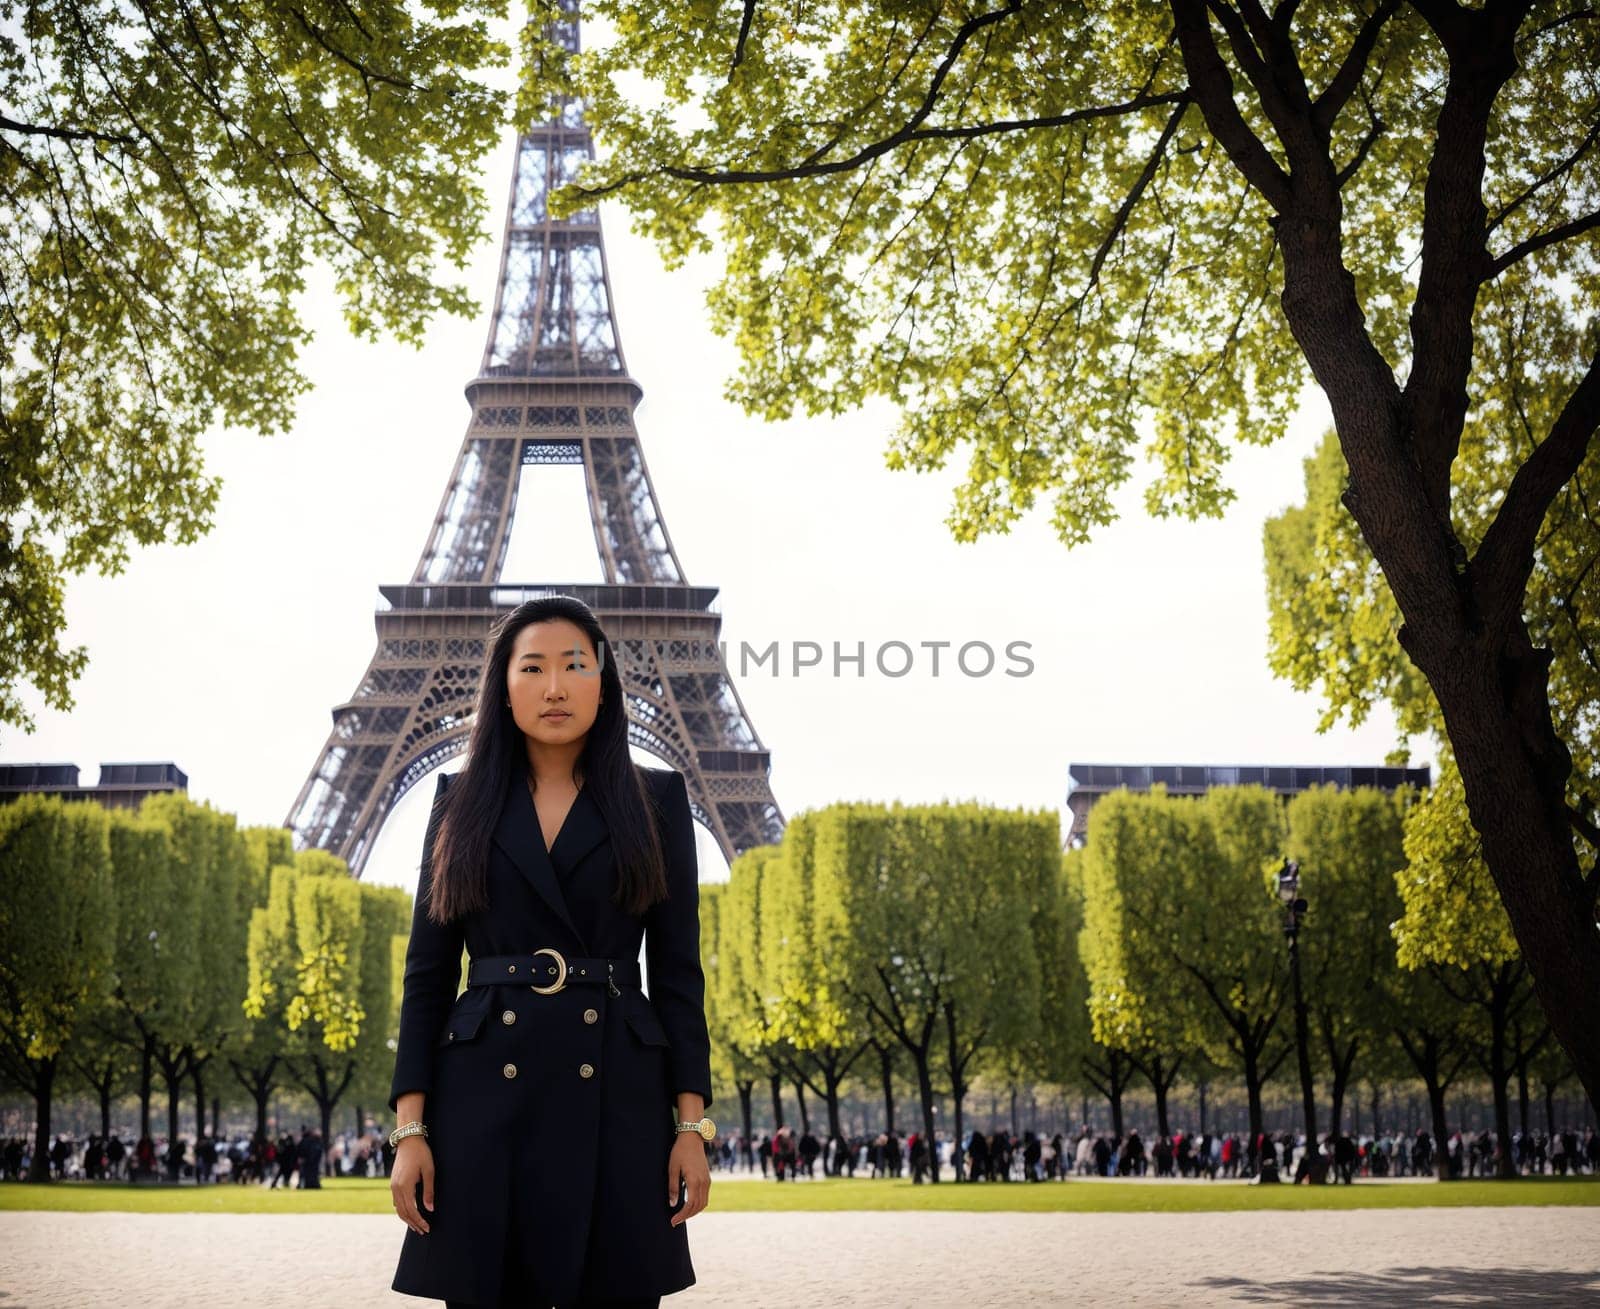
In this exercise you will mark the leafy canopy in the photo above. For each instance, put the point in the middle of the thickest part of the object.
(167, 173)
(1012, 221)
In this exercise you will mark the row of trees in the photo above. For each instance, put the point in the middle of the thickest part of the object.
(928, 936)
(170, 941)
(959, 941)
(946, 942)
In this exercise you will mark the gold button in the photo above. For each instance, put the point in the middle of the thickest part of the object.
(508, 1017)
(510, 1070)
(591, 1015)
(585, 1070)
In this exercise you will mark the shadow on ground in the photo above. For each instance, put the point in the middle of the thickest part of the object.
(1414, 1286)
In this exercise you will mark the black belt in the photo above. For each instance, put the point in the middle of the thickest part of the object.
(548, 971)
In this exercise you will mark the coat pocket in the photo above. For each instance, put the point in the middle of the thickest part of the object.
(646, 1026)
(463, 1026)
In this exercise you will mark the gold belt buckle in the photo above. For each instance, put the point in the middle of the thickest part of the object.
(561, 981)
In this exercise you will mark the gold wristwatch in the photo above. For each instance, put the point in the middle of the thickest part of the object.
(704, 1126)
(405, 1130)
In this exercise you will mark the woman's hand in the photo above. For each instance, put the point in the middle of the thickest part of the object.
(413, 1160)
(688, 1165)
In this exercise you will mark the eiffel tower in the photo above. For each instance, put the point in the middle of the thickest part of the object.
(552, 389)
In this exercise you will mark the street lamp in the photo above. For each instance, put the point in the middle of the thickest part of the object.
(1289, 893)
(1294, 908)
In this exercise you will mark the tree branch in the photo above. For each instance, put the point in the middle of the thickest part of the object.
(1325, 108)
(63, 133)
(1544, 179)
(1090, 1076)
(1211, 84)
(1577, 227)
(1576, 16)
(1480, 45)
(1120, 220)
(964, 33)
(1582, 823)
(1283, 16)
(903, 136)
(1277, 1063)
(1504, 560)
(368, 75)
(1376, 130)
(744, 32)
(1272, 67)
(1251, 59)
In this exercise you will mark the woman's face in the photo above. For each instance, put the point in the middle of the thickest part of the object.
(553, 681)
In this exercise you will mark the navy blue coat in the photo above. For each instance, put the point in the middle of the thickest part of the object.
(548, 1183)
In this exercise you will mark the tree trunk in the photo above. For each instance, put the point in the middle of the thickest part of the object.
(1111, 1081)
(831, 1080)
(173, 1076)
(958, 1089)
(325, 1107)
(925, 1087)
(320, 1086)
(1252, 1090)
(746, 1091)
(258, 1081)
(1441, 1132)
(1161, 1076)
(43, 1088)
(777, 1100)
(1341, 1061)
(805, 1113)
(1427, 1052)
(199, 1102)
(957, 1162)
(103, 1078)
(886, 1064)
(1499, 1071)
(147, 1080)
(1527, 841)
(1522, 1094)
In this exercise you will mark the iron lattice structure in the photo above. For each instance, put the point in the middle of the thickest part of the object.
(552, 389)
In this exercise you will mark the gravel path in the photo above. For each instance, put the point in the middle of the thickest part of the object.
(1514, 1256)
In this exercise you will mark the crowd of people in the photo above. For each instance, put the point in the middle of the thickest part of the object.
(784, 1155)
(287, 1161)
(1029, 1156)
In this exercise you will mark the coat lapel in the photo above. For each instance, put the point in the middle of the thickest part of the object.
(517, 833)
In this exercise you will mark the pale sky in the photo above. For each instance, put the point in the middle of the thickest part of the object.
(1148, 645)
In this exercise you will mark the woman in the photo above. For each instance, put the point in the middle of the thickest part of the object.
(550, 1147)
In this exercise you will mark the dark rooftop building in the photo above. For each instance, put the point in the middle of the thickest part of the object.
(121, 786)
(1086, 783)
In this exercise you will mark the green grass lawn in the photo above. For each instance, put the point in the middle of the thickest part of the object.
(371, 1196)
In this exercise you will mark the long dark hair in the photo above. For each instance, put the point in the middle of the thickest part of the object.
(471, 804)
